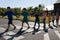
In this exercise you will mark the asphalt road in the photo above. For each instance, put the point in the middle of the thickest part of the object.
(26, 34)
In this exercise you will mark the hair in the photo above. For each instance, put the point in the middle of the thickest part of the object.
(8, 7)
(24, 9)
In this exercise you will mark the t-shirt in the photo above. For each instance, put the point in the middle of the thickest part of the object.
(9, 14)
(25, 15)
(37, 16)
(57, 16)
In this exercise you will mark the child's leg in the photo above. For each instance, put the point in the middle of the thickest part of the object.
(53, 22)
(38, 25)
(8, 25)
(22, 24)
(35, 24)
(50, 26)
(57, 22)
(44, 24)
(46, 30)
(27, 24)
(14, 26)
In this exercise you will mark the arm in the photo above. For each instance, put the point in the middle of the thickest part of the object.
(4, 14)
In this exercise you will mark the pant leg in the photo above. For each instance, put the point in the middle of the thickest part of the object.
(44, 23)
(57, 21)
(53, 22)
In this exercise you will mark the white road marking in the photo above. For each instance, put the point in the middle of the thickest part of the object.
(57, 33)
(18, 38)
(29, 30)
(6, 37)
(2, 29)
(46, 36)
(8, 33)
(38, 32)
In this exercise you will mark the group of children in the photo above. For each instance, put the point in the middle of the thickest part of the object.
(10, 14)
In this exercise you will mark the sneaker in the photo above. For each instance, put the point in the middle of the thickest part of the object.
(14, 28)
(34, 28)
(6, 30)
(28, 27)
(51, 27)
(46, 30)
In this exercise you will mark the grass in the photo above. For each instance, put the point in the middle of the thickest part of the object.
(29, 18)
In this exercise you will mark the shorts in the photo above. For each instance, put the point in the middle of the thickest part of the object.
(10, 22)
(25, 20)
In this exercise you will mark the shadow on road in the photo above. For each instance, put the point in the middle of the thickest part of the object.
(20, 32)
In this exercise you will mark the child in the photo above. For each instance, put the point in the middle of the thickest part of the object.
(25, 19)
(53, 18)
(37, 19)
(10, 14)
(49, 20)
(44, 19)
(57, 18)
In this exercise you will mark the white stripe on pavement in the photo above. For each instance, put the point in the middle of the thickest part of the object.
(2, 29)
(38, 32)
(8, 33)
(12, 33)
(18, 38)
(46, 36)
(6, 37)
(29, 30)
(57, 33)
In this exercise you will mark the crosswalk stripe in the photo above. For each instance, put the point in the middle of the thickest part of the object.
(57, 33)
(1, 28)
(46, 36)
(12, 33)
(38, 32)
(18, 38)
(8, 33)
(29, 30)
(6, 37)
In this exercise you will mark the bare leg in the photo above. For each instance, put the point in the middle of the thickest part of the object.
(38, 26)
(22, 24)
(14, 26)
(28, 25)
(34, 25)
(7, 28)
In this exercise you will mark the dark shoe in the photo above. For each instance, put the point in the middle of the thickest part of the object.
(14, 28)
(28, 27)
(21, 28)
(55, 26)
(6, 30)
(59, 25)
(51, 27)
(1, 34)
(37, 30)
(46, 30)
(34, 31)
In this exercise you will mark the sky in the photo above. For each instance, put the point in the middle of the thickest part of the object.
(27, 3)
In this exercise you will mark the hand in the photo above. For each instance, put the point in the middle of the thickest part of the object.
(17, 16)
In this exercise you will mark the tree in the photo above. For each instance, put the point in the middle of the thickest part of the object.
(17, 11)
(30, 9)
